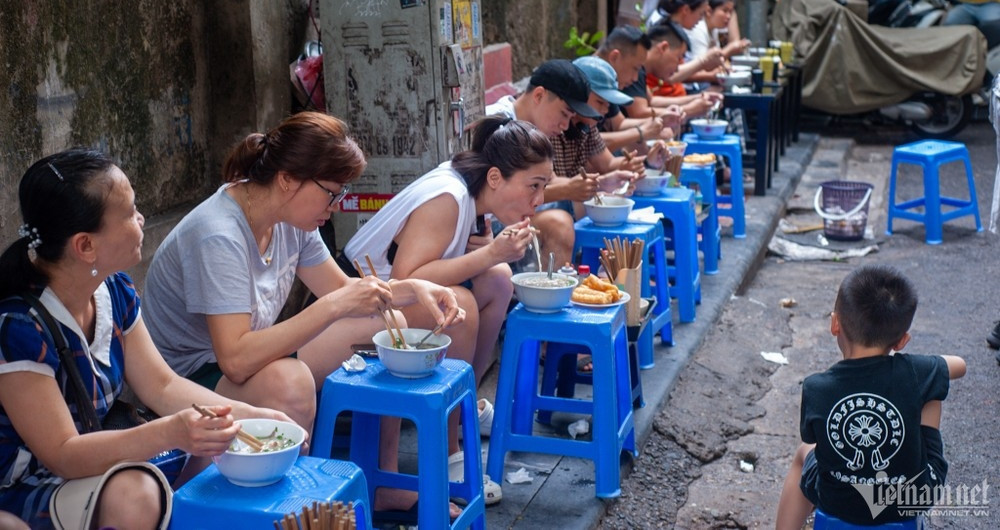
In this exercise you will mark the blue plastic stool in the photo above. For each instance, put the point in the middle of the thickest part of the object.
(711, 235)
(677, 207)
(728, 145)
(560, 375)
(602, 331)
(589, 241)
(209, 501)
(931, 155)
(426, 401)
(825, 521)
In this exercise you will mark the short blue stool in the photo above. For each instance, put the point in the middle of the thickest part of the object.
(931, 155)
(427, 402)
(728, 145)
(209, 501)
(824, 521)
(602, 332)
(589, 241)
(711, 235)
(681, 230)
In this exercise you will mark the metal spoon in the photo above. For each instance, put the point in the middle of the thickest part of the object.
(552, 260)
(714, 112)
(427, 336)
(622, 189)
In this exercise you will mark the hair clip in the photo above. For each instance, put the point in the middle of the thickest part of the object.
(56, 171)
(32, 234)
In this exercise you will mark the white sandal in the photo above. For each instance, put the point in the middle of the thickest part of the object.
(485, 418)
(492, 493)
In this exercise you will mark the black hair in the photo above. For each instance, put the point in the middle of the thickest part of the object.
(626, 39)
(500, 142)
(672, 6)
(875, 305)
(667, 30)
(715, 4)
(60, 195)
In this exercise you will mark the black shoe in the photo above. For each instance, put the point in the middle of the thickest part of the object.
(993, 339)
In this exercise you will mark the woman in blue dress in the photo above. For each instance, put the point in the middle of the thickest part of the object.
(80, 228)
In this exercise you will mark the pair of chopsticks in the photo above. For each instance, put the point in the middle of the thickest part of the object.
(390, 327)
(244, 436)
(322, 516)
(511, 231)
(583, 174)
(618, 255)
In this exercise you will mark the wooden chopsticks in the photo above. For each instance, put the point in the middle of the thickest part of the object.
(322, 516)
(244, 436)
(394, 325)
(618, 254)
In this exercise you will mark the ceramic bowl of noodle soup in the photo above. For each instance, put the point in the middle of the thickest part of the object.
(540, 294)
(408, 362)
(245, 467)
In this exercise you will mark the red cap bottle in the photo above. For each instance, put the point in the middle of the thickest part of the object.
(583, 271)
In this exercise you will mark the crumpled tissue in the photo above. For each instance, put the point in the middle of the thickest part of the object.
(521, 476)
(774, 357)
(646, 215)
(578, 427)
(355, 364)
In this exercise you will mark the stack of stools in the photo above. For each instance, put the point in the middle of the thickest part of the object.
(600, 331)
(677, 207)
(209, 501)
(427, 402)
(589, 241)
(931, 155)
(711, 236)
(728, 145)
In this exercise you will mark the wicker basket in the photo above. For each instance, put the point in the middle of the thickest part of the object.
(843, 205)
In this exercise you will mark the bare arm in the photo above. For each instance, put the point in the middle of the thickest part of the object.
(956, 366)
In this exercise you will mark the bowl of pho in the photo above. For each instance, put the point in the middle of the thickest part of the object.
(408, 361)
(245, 466)
(540, 294)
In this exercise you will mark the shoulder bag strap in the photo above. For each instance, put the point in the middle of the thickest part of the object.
(84, 405)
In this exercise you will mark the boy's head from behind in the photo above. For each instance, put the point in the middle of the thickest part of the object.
(875, 306)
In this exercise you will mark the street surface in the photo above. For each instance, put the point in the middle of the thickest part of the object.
(730, 405)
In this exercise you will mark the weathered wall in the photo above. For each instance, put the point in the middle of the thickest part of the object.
(536, 29)
(164, 87)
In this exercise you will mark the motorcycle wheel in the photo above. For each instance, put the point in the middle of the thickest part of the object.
(949, 115)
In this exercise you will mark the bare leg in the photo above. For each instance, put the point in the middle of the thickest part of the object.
(557, 234)
(9, 521)
(323, 355)
(130, 499)
(463, 342)
(794, 507)
(492, 291)
(285, 385)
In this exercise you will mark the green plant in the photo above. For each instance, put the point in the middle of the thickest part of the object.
(583, 44)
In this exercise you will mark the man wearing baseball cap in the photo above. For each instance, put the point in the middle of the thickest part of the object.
(557, 93)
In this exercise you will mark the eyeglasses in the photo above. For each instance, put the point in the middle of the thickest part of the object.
(335, 198)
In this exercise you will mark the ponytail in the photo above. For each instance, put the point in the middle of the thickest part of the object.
(501, 142)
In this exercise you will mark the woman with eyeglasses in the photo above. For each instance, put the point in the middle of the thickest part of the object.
(219, 280)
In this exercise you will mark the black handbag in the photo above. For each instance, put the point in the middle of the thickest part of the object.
(122, 414)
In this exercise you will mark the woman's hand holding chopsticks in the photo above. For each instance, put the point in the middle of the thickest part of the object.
(202, 435)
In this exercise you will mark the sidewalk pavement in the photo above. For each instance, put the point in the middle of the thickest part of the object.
(561, 494)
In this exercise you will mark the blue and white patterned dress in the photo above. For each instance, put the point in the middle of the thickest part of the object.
(25, 484)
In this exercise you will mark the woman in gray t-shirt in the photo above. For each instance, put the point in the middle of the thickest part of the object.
(219, 279)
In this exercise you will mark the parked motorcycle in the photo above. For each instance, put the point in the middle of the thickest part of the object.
(923, 77)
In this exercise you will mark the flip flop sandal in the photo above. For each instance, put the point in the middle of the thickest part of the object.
(492, 493)
(582, 362)
(485, 418)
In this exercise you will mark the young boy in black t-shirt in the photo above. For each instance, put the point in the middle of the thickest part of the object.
(870, 423)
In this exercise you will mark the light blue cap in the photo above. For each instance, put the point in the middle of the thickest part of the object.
(603, 79)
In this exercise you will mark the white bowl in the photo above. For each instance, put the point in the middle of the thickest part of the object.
(709, 129)
(653, 183)
(613, 211)
(734, 79)
(411, 364)
(745, 60)
(252, 470)
(543, 298)
(740, 68)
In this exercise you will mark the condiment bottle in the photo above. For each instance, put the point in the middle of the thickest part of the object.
(567, 269)
(583, 271)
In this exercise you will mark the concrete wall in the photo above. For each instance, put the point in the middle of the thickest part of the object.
(164, 87)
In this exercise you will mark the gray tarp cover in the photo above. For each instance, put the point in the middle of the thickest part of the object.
(851, 66)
